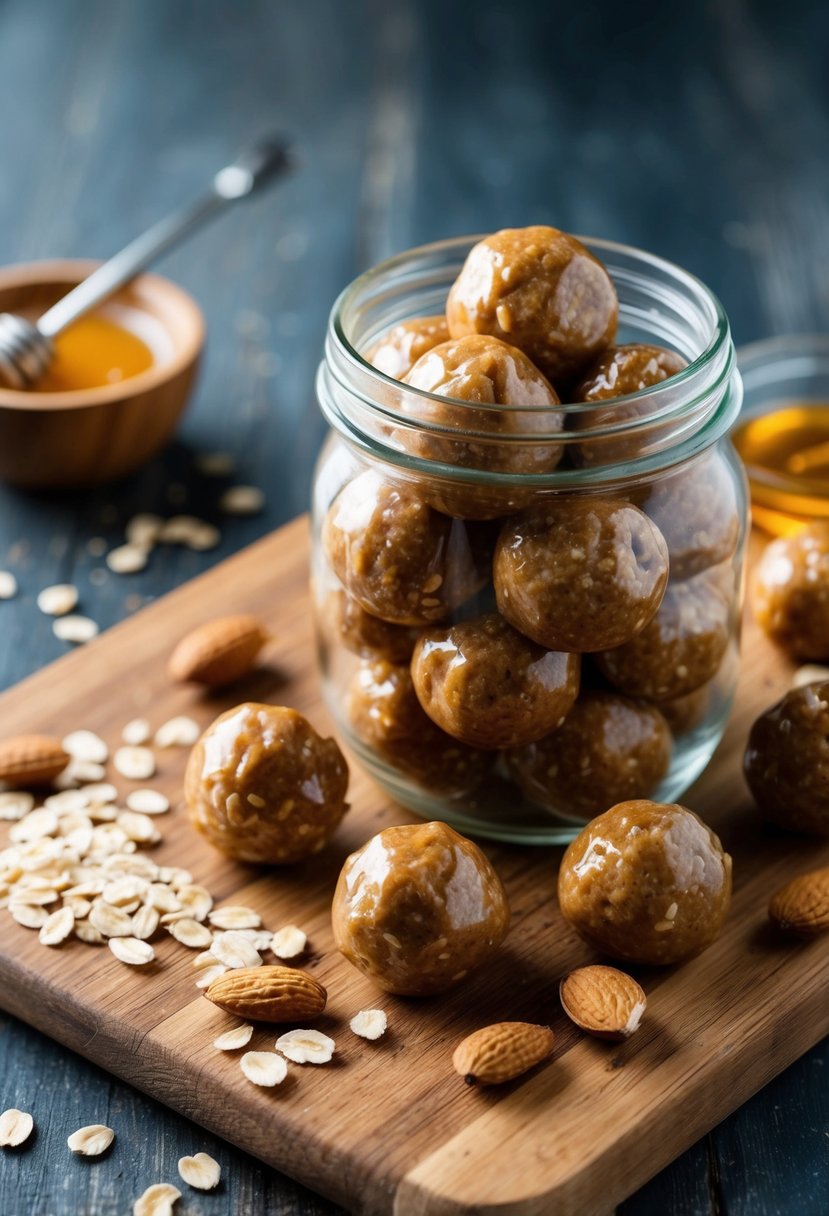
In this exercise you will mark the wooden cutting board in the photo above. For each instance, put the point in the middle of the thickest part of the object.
(388, 1127)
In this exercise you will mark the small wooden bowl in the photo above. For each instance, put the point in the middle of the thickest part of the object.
(83, 438)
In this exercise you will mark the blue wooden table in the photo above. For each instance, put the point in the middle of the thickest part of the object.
(700, 132)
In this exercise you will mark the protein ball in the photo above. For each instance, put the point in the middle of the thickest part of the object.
(367, 635)
(385, 714)
(787, 760)
(261, 785)
(417, 908)
(396, 353)
(646, 883)
(489, 686)
(580, 574)
(401, 560)
(609, 749)
(698, 513)
(790, 592)
(540, 290)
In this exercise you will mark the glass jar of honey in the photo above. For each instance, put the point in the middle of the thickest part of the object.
(513, 647)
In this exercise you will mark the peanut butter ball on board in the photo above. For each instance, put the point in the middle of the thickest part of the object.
(787, 760)
(790, 592)
(396, 353)
(540, 290)
(417, 908)
(401, 560)
(580, 573)
(609, 749)
(366, 635)
(616, 372)
(481, 370)
(697, 512)
(680, 649)
(486, 684)
(261, 785)
(646, 883)
(385, 714)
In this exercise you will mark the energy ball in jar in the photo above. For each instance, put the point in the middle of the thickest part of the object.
(479, 370)
(396, 353)
(680, 649)
(616, 372)
(787, 760)
(698, 513)
(261, 785)
(486, 684)
(540, 290)
(395, 555)
(385, 714)
(790, 592)
(609, 749)
(646, 883)
(581, 573)
(366, 635)
(417, 908)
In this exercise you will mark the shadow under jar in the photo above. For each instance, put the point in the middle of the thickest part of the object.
(458, 548)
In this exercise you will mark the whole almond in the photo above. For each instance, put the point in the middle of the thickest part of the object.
(802, 905)
(268, 994)
(218, 652)
(603, 1001)
(501, 1052)
(31, 760)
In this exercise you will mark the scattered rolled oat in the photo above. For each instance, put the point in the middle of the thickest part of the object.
(235, 951)
(57, 927)
(145, 922)
(111, 922)
(233, 1039)
(78, 771)
(306, 1046)
(8, 585)
(58, 600)
(91, 1141)
(200, 1171)
(288, 942)
(77, 629)
(179, 529)
(131, 950)
(208, 974)
(86, 745)
(134, 763)
(235, 917)
(15, 1127)
(193, 900)
(204, 538)
(14, 804)
(143, 530)
(242, 500)
(369, 1023)
(30, 916)
(148, 802)
(127, 559)
(263, 1067)
(178, 732)
(89, 934)
(136, 732)
(215, 464)
(191, 933)
(157, 1200)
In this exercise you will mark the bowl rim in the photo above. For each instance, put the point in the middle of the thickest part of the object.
(71, 270)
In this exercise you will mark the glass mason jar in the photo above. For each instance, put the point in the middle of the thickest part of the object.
(426, 520)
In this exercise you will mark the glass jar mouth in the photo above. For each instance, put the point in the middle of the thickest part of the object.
(657, 299)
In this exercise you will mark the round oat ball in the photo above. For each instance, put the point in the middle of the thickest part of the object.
(680, 649)
(684, 714)
(385, 714)
(396, 353)
(398, 558)
(787, 760)
(790, 592)
(646, 883)
(479, 370)
(365, 635)
(417, 908)
(486, 684)
(261, 785)
(580, 573)
(540, 290)
(698, 512)
(616, 372)
(609, 749)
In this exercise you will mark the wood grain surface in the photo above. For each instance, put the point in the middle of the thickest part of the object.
(698, 131)
(389, 1127)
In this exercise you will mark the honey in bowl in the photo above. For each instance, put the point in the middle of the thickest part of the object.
(92, 353)
(786, 454)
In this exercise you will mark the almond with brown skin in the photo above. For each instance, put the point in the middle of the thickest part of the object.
(218, 652)
(31, 760)
(603, 1001)
(802, 905)
(268, 994)
(501, 1052)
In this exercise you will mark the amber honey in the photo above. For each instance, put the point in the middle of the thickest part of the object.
(786, 454)
(94, 352)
